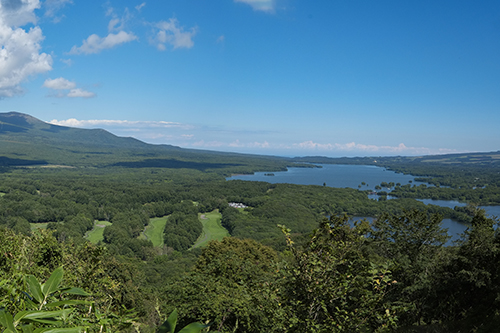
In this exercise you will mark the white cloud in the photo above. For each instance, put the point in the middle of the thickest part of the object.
(180, 134)
(262, 5)
(358, 147)
(112, 25)
(59, 83)
(16, 13)
(117, 23)
(255, 144)
(158, 132)
(20, 56)
(63, 84)
(80, 93)
(209, 144)
(95, 44)
(53, 6)
(68, 62)
(72, 122)
(170, 33)
(139, 7)
(311, 147)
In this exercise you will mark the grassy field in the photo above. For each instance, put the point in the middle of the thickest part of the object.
(154, 231)
(212, 229)
(95, 235)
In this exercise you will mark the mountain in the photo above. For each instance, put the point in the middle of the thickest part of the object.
(26, 140)
(25, 128)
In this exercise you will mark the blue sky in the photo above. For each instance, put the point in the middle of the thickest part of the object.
(283, 77)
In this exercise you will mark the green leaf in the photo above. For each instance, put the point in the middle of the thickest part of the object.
(53, 282)
(45, 317)
(59, 330)
(76, 291)
(66, 302)
(169, 325)
(50, 322)
(7, 321)
(27, 328)
(193, 328)
(35, 288)
(20, 315)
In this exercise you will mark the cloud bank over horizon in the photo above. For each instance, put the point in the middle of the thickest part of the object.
(192, 136)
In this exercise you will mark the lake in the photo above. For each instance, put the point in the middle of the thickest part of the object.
(352, 176)
(333, 175)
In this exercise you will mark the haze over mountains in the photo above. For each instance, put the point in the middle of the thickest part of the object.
(26, 140)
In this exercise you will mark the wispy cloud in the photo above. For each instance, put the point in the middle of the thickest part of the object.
(310, 147)
(72, 122)
(365, 148)
(221, 39)
(116, 35)
(117, 22)
(80, 93)
(170, 33)
(191, 136)
(261, 5)
(20, 56)
(159, 132)
(139, 7)
(52, 8)
(95, 44)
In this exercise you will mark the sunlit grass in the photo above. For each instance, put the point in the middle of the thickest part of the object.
(154, 231)
(212, 228)
(96, 234)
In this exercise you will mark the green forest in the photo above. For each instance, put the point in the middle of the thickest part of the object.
(293, 261)
(126, 237)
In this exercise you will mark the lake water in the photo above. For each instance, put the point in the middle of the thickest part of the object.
(334, 175)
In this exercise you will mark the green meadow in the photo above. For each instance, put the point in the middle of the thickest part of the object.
(212, 228)
(154, 231)
(96, 234)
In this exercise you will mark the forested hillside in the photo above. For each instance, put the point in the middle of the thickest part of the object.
(293, 261)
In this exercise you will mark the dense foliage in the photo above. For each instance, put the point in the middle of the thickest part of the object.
(318, 272)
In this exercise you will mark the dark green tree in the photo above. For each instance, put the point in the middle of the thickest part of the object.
(331, 284)
(414, 242)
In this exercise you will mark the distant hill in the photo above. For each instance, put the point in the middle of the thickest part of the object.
(26, 140)
(487, 159)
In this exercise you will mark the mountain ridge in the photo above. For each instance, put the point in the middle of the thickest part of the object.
(24, 138)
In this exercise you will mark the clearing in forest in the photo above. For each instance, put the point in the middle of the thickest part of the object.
(212, 228)
(154, 230)
(35, 226)
(96, 235)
